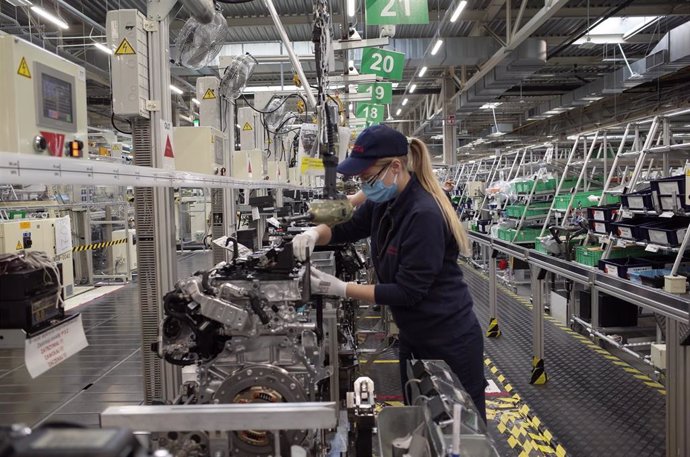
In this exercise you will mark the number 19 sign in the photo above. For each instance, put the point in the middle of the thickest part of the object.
(391, 12)
(387, 64)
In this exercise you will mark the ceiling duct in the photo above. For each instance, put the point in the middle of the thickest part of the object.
(526, 60)
(671, 54)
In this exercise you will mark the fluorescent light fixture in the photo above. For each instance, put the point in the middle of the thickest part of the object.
(437, 46)
(413, 88)
(19, 3)
(490, 105)
(397, 113)
(678, 113)
(196, 101)
(351, 8)
(404, 102)
(176, 89)
(50, 17)
(238, 126)
(103, 48)
(422, 72)
(456, 14)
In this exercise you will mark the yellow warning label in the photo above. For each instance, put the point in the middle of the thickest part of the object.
(246, 127)
(209, 95)
(23, 69)
(25, 225)
(19, 245)
(124, 49)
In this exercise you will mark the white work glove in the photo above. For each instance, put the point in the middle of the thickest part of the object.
(302, 242)
(325, 284)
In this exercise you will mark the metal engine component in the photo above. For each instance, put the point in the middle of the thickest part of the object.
(246, 336)
(261, 384)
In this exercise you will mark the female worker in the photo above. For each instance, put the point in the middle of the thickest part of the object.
(415, 241)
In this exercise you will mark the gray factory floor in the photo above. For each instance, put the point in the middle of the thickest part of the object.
(593, 404)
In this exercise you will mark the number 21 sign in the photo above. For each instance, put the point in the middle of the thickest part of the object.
(391, 12)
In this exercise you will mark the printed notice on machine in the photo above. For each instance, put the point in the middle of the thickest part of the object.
(43, 352)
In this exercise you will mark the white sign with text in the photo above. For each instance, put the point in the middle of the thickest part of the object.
(43, 352)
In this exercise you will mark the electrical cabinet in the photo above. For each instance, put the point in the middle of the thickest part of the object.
(199, 150)
(43, 109)
(248, 165)
(122, 251)
(47, 235)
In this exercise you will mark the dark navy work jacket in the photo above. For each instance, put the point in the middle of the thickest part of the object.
(416, 260)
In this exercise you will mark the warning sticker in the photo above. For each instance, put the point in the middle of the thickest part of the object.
(124, 49)
(19, 246)
(23, 69)
(210, 94)
(25, 225)
(247, 127)
(168, 148)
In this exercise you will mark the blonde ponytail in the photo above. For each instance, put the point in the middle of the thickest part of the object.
(420, 163)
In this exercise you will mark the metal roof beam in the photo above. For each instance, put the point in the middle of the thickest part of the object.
(549, 9)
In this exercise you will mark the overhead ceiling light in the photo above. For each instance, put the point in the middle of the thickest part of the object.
(413, 88)
(490, 105)
(103, 48)
(176, 89)
(437, 46)
(238, 126)
(397, 113)
(351, 8)
(422, 72)
(196, 101)
(456, 14)
(404, 102)
(50, 17)
(19, 3)
(678, 113)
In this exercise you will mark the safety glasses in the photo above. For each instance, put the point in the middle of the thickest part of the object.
(371, 180)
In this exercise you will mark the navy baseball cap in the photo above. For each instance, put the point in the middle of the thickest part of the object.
(374, 143)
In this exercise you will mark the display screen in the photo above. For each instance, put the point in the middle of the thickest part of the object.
(57, 99)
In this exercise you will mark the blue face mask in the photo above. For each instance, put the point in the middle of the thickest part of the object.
(379, 192)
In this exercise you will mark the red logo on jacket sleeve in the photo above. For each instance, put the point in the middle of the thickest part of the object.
(358, 149)
(392, 250)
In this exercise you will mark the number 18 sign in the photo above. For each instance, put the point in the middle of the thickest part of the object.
(372, 112)
(391, 12)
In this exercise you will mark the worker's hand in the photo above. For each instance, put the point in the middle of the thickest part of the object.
(303, 242)
(325, 284)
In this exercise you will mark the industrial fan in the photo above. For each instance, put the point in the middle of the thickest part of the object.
(237, 75)
(198, 44)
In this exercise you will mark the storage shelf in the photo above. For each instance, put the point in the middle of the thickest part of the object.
(605, 239)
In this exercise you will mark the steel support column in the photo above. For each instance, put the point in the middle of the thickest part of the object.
(494, 330)
(157, 261)
(678, 389)
(538, 275)
(450, 141)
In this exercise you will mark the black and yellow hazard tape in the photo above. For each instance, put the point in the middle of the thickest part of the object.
(524, 431)
(539, 376)
(493, 331)
(625, 366)
(92, 246)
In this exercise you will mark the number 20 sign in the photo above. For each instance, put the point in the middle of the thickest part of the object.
(387, 64)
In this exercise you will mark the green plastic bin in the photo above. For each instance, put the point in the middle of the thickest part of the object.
(525, 187)
(591, 255)
(535, 209)
(581, 200)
